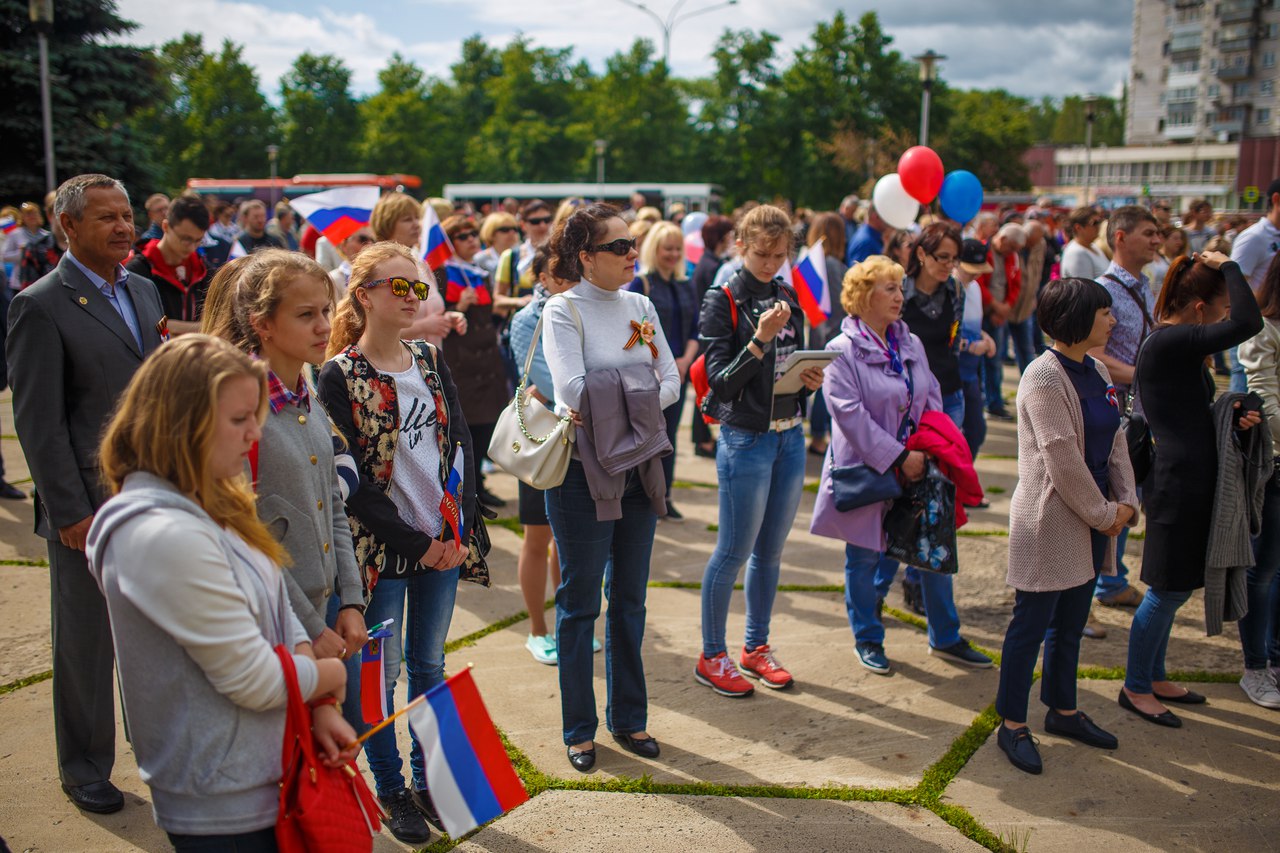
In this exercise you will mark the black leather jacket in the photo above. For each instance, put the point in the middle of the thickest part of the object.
(741, 392)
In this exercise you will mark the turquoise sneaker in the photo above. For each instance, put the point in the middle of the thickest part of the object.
(542, 648)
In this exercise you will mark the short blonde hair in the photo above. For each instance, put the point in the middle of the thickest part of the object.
(494, 221)
(765, 225)
(389, 210)
(654, 239)
(862, 278)
(649, 213)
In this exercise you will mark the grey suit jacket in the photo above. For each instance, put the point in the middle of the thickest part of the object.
(70, 356)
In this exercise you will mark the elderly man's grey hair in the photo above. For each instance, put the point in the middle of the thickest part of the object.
(70, 198)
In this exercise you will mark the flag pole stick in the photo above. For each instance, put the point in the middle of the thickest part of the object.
(388, 721)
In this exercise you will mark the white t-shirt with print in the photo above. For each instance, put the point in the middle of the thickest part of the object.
(415, 475)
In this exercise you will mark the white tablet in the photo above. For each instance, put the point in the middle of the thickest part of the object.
(789, 381)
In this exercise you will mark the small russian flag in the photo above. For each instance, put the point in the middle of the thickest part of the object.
(338, 213)
(436, 248)
(469, 775)
(809, 277)
(373, 686)
(8, 224)
(451, 503)
(461, 275)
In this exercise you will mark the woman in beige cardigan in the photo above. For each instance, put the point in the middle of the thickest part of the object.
(1075, 493)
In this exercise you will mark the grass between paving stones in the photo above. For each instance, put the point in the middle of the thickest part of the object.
(25, 682)
(510, 522)
(39, 563)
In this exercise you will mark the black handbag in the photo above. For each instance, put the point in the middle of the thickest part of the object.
(861, 485)
(920, 527)
(1137, 432)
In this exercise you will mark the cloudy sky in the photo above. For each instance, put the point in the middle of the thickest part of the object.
(1029, 48)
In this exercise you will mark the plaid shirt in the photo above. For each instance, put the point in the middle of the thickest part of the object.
(281, 396)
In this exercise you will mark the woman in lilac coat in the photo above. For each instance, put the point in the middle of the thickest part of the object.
(876, 392)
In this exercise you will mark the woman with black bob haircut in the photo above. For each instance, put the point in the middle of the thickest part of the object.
(603, 526)
(1075, 492)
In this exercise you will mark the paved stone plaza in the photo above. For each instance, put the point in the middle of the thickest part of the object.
(844, 760)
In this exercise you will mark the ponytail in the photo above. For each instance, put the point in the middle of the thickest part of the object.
(347, 326)
(1188, 282)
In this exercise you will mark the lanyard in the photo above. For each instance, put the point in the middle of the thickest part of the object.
(890, 348)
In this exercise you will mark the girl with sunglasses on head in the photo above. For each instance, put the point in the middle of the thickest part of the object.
(396, 404)
(604, 525)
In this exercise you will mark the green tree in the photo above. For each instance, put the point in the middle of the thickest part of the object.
(165, 120)
(1070, 122)
(96, 86)
(987, 133)
(410, 126)
(319, 118)
(230, 122)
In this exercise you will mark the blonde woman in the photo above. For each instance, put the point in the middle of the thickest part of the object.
(663, 279)
(197, 600)
(397, 218)
(498, 232)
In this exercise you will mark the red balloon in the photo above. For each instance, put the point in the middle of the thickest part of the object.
(921, 171)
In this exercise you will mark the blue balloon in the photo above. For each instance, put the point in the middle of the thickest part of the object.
(961, 195)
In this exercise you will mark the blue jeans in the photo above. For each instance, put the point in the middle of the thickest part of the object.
(1260, 627)
(1057, 620)
(1024, 346)
(993, 366)
(1149, 638)
(1238, 383)
(819, 417)
(593, 553)
(672, 414)
(975, 416)
(867, 577)
(1037, 336)
(421, 634)
(1109, 585)
(761, 478)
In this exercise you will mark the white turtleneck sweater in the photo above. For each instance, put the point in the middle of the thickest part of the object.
(606, 321)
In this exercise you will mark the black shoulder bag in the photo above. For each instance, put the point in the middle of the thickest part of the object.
(1137, 432)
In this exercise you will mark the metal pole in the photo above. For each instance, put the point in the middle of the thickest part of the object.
(928, 63)
(925, 96)
(46, 110)
(1089, 102)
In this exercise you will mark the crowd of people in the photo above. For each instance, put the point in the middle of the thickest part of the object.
(213, 397)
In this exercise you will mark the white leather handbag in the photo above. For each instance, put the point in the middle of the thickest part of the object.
(529, 441)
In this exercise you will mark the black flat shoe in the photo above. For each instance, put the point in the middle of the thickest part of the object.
(97, 797)
(1020, 746)
(1189, 698)
(1079, 727)
(1165, 719)
(643, 747)
(10, 492)
(583, 760)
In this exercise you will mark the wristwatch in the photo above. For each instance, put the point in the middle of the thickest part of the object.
(764, 347)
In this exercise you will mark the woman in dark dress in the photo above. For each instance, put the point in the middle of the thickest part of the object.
(1177, 391)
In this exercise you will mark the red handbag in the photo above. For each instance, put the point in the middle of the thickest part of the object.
(322, 809)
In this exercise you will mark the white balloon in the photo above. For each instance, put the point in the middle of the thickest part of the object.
(693, 222)
(893, 203)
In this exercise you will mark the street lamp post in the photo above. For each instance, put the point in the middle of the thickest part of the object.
(601, 147)
(673, 18)
(273, 151)
(928, 74)
(41, 12)
(1090, 101)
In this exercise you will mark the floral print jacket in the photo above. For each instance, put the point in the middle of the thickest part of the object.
(362, 402)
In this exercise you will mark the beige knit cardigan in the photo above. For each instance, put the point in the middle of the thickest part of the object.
(1056, 502)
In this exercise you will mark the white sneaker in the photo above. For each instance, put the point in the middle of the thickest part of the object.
(543, 649)
(1260, 689)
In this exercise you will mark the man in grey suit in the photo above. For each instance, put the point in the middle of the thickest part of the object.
(75, 338)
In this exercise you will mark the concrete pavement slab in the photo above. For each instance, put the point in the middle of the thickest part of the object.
(591, 822)
(1210, 785)
(24, 591)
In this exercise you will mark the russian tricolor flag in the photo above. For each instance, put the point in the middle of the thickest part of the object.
(339, 213)
(469, 775)
(436, 248)
(809, 278)
(451, 503)
(462, 275)
(373, 683)
(8, 224)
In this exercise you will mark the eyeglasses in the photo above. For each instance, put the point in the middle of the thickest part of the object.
(466, 235)
(945, 260)
(365, 240)
(506, 229)
(400, 287)
(620, 247)
(539, 220)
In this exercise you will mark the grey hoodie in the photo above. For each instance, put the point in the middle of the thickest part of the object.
(195, 616)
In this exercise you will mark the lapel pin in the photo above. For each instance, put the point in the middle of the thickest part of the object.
(84, 301)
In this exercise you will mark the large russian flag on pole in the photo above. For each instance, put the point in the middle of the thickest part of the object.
(339, 213)
(809, 278)
(436, 248)
(470, 778)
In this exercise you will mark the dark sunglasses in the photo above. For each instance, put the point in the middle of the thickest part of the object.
(400, 287)
(620, 247)
(539, 220)
(365, 240)
(466, 235)
(506, 229)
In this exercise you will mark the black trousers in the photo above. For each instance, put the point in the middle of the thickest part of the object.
(84, 710)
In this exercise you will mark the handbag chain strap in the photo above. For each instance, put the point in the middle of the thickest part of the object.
(521, 401)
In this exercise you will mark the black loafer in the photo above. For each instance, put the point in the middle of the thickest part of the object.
(10, 492)
(1165, 719)
(1079, 727)
(1020, 746)
(582, 760)
(643, 747)
(97, 797)
(422, 802)
(1189, 698)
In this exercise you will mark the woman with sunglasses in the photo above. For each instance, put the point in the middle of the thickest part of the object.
(395, 403)
(475, 353)
(498, 232)
(603, 541)
(1080, 258)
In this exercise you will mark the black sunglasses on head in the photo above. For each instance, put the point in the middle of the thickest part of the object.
(400, 287)
(620, 247)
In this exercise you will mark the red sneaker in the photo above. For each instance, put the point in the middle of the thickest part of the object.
(761, 664)
(722, 676)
